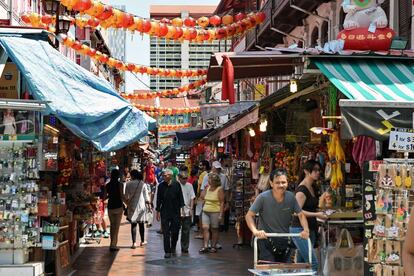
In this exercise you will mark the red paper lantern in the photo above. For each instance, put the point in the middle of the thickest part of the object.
(131, 67)
(155, 71)
(25, 18)
(231, 30)
(193, 33)
(143, 69)
(227, 19)
(215, 20)
(362, 39)
(93, 22)
(104, 58)
(91, 52)
(189, 22)
(240, 16)
(221, 33)
(178, 73)
(96, 9)
(178, 33)
(82, 5)
(77, 46)
(146, 26)
(47, 19)
(107, 12)
(127, 20)
(163, 30)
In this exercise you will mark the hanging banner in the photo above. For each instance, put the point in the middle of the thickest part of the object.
(373, 118)
(9, 81)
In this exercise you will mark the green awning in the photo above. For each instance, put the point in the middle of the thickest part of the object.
(371, 79)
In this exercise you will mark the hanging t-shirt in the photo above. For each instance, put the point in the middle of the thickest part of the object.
(150, 174)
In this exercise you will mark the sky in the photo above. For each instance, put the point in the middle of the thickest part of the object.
(138, 47)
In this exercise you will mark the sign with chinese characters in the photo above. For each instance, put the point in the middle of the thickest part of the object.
(402, 140)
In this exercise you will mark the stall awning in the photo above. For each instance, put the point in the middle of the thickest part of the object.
(254, 64)
(214, 110)
(235, 124)
(375, 79)
(85, 103)
(374, 118)
(188, 137)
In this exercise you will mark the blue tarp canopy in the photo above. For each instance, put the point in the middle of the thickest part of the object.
(86, 104)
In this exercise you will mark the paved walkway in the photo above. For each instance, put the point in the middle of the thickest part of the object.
(96, 260)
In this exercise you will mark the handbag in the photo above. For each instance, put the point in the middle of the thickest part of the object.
(149, 215)
(126, 207)
(344, 261)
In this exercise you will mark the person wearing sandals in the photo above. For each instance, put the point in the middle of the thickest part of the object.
(137, 200)
(213, 196)
(306, 196)
(275, 208)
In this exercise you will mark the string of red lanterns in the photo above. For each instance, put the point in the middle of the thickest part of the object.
(161, 111)
(166, 128)
(165, 93)
(114, 18)
(131, 67)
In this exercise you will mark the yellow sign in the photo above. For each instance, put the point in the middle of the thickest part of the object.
(8, 81)
(260, 91)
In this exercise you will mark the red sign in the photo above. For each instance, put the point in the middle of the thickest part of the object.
(5, 22)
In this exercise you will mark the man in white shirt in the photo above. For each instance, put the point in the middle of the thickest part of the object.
(187, 211)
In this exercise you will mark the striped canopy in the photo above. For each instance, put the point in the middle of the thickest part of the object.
(371, 79)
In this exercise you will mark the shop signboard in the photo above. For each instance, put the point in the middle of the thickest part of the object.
(402, 140)
(9, 82)
(374, 119)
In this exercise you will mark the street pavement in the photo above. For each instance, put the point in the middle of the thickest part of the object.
(95, 259)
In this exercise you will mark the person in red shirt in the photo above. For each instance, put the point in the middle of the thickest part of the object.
(149, 177)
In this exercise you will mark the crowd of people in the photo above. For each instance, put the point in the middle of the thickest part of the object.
(181, 199)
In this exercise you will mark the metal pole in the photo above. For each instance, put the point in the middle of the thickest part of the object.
(57, 27)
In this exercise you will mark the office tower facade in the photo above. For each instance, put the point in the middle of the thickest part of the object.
(177, 55)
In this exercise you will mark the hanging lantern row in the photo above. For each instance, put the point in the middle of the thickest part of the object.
(131, 67)
(166, 110)
(165, 128)
(161, 113)
(114, 18)
(166, 93)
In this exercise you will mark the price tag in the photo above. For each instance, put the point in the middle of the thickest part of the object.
(402, 140)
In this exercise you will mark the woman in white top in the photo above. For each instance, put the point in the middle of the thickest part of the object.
(137, 200)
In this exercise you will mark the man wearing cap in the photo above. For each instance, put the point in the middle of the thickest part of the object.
(225, 185)
(187, 211)
(170, 201)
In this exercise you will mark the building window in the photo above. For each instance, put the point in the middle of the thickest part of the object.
(314, 37)
(404, 8)
(324, 33)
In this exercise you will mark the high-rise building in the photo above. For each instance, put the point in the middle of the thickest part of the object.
(177, 55)
(116, 41)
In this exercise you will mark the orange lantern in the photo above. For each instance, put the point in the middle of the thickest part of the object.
(215, 20)
(177, 22)
(175, 91)
(149, 71)
(227, 19)
(189, 22)
(96, 9)
(212, 34)
(203, 21)
(111, 62)
(173, 73)
(155, 28)
(260, 17)
(170, 32)
(25, 18)
(137, 24)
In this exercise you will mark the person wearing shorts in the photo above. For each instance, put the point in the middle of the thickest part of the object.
(213, 209)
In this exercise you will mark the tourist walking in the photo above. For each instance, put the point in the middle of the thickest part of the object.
(187, 211)
(169, 203)
(114, 193)
(171, 166)
(137, 200)
(275, 208)
(307, 198)
(213, 210)
(204, 169)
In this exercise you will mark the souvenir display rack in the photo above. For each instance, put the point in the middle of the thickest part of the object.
(19, 224)
(243, 192)
(388, 194)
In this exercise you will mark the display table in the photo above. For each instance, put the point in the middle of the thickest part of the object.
(35, 269)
